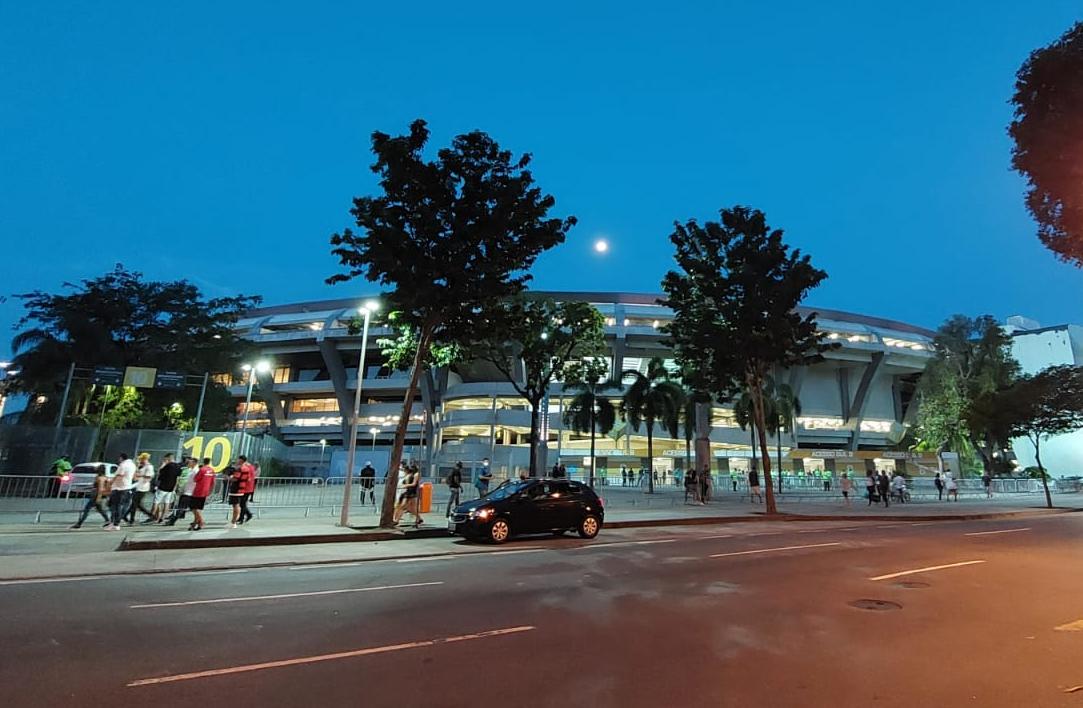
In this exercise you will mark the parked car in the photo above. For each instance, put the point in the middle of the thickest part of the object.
(533, 506)
(80, 480)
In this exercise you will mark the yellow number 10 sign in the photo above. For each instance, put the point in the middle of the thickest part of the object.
(218, 449)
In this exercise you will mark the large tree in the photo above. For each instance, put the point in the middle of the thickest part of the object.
(735, 299)
(590, 409)
(652, 398)
(1048, 135)
(973, 361)
(782, 408)
(123, 319)
(1047, 403)
(530, 341)
(447, 237)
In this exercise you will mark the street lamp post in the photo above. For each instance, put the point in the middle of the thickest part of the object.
(374, 432)
(260, 367)
(323, 446)
(366, 311)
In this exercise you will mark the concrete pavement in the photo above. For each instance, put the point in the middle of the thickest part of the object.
(966, 612)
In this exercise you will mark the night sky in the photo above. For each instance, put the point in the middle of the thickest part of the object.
(222, 142)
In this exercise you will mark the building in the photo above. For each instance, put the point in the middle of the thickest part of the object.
(1036, 348)
(856, 405)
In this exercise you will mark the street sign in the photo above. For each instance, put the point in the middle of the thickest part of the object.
(107, 375)
(139, 376)
(169, 379)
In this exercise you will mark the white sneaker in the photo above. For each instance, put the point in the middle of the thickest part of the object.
(233, 526)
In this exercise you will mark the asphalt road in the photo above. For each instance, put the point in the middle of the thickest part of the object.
(739, 615)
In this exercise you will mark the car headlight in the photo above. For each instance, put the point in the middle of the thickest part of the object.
(482, 514)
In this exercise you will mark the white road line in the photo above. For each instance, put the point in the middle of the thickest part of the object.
(925, 523)
(773, 550)
(59, 580)
(283, 596)
(771, 533)
(889, 576)
(988, 533)
(1076, 626)
(727, 535)
(504, 553)
(848, 528)
(328, 657)
(815, 531)
(888, 526)
(650, 543)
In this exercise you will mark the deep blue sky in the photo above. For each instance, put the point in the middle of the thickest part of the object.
(222, 141)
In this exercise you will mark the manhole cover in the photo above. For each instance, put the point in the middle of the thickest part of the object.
(912, 584)
(875, 605)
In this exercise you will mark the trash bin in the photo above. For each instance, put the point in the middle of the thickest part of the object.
(425, 501)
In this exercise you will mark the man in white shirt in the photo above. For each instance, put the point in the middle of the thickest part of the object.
(898, 485)
(143, 475)
(120, 491)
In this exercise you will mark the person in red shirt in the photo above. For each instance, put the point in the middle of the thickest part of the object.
(203, 487)
(241, 485)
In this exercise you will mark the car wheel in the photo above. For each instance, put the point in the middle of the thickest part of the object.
(589, 526)
(500, 531)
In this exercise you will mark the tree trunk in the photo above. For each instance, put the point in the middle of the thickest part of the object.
(590, 482)
(1041, 471)
(391, 481)
(778, 446)
(756, 390)
(650, 457)
(986, 462)
(534, 421)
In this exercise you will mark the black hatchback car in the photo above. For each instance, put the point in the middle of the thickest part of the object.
(533, 506)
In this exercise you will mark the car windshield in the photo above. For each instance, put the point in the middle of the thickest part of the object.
(505, 491)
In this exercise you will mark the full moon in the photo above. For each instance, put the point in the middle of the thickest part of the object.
(601, 245)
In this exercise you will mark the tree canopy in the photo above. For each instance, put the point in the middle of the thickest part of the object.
(531, 341)
(1048, 135)
(123, 319)
(735, 296)
(653, 397)
(446, 237)
(1047, 403)
(590, 408)
(957, 408)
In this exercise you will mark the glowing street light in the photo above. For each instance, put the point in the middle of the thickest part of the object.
(261, 367)
(374, 432)
(366, 310)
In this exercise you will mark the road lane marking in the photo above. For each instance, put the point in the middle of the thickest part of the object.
(726, 535)
(422, 559)
(283, 596)
(815, 531)
(925, 523)
(329, 657)
(621, 543)
(888, 526)
(988, 533)
(59, 580)
(773, 550)
(771, 533)
(1076, 626)
(848, 528)
(901, 573)
(505, 553)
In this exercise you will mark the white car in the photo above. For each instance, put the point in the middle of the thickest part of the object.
(80, 480)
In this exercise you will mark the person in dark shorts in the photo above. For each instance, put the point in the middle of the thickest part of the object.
(202, 489)
(754, 485)
(368, 483)
(166, 493)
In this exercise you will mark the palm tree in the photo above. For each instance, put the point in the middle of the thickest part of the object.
(589, 410)
(652, 398)
(781, 410)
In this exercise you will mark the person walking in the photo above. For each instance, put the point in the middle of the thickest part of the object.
(165, 494)
(368, 483)
(240, 483)
(256, 472)
(691, 486)
(884, 488)
(898, 486)
(555, 472)
(734, 479)
(482, 482)
(186, 483)
(754, 484)
(938, 482)
(870, 487)
(952, 486)
(95, 498)
(202, 487)
(408, 499)
(120, 491)
(846, 485)
(144, 474)
(454, 487)
(705, 484)
(987, 482)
